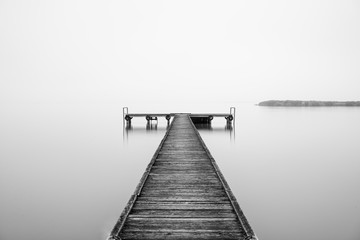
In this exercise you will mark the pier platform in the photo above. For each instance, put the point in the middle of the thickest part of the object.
(196, 117)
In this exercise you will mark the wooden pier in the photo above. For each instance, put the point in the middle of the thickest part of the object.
(182, 194)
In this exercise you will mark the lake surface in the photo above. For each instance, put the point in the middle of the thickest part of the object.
(67, 171)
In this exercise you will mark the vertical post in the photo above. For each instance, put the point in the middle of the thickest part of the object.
(125, 112)
(232, 112)
(168, 117)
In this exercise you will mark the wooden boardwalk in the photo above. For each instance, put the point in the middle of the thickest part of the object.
(182, 194)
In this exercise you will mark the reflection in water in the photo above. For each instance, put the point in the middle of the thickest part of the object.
(229, 127)
(126, 128)
(205, 126)
(152, 126)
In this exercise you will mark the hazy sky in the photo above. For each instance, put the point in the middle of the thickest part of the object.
(110, 51)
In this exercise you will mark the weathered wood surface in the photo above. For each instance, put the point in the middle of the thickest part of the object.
(182, 194)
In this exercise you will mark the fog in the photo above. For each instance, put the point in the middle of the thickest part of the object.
(125, 51)
(67, 68)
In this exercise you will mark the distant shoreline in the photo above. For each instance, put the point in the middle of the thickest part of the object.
(297, 103)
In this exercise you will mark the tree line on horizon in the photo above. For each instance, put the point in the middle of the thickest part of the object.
(298, 103)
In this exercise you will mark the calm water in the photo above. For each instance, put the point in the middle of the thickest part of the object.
(67, 171)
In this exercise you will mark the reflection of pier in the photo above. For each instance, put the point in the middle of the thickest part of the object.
(182, 194)
(229, 127)
(151, 126)
(208, 126)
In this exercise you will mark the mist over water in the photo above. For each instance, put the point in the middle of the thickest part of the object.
(67, 168)
(67, 171)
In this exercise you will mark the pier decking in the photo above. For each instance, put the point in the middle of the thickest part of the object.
(182, 194)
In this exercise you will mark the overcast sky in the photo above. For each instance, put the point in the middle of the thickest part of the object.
(76, 51)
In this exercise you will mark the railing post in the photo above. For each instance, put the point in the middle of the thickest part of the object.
(125, 113)
(232, 112)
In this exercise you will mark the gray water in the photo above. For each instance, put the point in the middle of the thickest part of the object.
(67, 171)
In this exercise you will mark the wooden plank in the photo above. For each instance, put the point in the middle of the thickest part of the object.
(191, 198)
(182, 166)
(181, 194)
(181, 235)
(221, 205)
(187, 213)
(183, 181)
(186, 188)
(182, 224)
